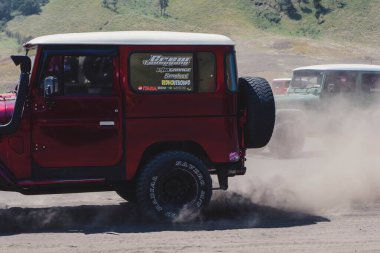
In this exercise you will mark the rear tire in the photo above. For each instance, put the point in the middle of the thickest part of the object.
(255, 95)
(174, 186)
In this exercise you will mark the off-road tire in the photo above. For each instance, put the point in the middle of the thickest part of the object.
(255, 95)
(174, 186)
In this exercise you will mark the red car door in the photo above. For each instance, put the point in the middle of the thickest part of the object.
(77, 114)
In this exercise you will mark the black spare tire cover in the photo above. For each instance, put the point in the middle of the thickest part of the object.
(255, 96)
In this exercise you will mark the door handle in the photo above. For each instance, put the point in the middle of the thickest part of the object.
(107, 123)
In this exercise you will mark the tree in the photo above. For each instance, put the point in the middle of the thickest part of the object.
(287, 7)
(320, 11)
(43, 2)
(163, 5)
(299, 2)
(105, 3)
(5, 10)
(114, 4)
(30, 7)
(110, 4)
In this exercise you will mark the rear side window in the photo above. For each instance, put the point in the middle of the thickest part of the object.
(231, 71)
(341, 81)
(206, 70)
(371, 82)
(162, 72)
(173, 72)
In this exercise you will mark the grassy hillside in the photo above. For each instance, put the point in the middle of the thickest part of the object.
(358, 21)
(59, 16)
(259, 25)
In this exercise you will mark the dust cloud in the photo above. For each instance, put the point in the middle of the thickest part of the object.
(338, 169)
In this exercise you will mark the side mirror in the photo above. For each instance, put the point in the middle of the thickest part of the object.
(50, 86)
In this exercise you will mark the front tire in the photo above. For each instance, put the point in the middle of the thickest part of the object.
(174, 186)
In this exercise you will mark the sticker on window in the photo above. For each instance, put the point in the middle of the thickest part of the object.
(169, 72)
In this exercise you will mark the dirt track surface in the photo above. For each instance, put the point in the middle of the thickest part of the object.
(263, 211)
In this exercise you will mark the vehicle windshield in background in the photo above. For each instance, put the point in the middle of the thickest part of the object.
(309, 82)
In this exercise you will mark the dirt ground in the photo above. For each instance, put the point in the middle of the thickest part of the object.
(326, 200)
(279, 206)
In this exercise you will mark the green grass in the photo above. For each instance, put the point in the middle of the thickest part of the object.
(358, 22)
(8, 45)
(223, 16)
(8, 72)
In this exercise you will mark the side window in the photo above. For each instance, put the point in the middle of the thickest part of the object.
(206, 71)
(80, 75)
(231, 72)
(341, 82)
(162, 72)
(371, 82)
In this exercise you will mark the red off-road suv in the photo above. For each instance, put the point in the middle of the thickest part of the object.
(150, 115)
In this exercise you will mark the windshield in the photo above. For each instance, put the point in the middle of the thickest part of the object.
(306, 81)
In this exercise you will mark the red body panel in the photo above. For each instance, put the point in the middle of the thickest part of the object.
(217, 143)
(75, 138)
(208, 119)
(7, 102)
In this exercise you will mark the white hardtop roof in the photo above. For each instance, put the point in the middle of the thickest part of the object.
(342, 67)
(131, 38)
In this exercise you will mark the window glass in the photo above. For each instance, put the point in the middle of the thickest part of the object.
(340, 81)
(306, 82)
(206, 71)
(306, 79)
(162, 72)
(371, 82)
(231, 73)
(80, 75)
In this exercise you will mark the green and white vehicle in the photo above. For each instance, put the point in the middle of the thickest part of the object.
(317, 93)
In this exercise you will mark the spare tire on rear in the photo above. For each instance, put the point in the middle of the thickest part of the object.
(255, 96)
